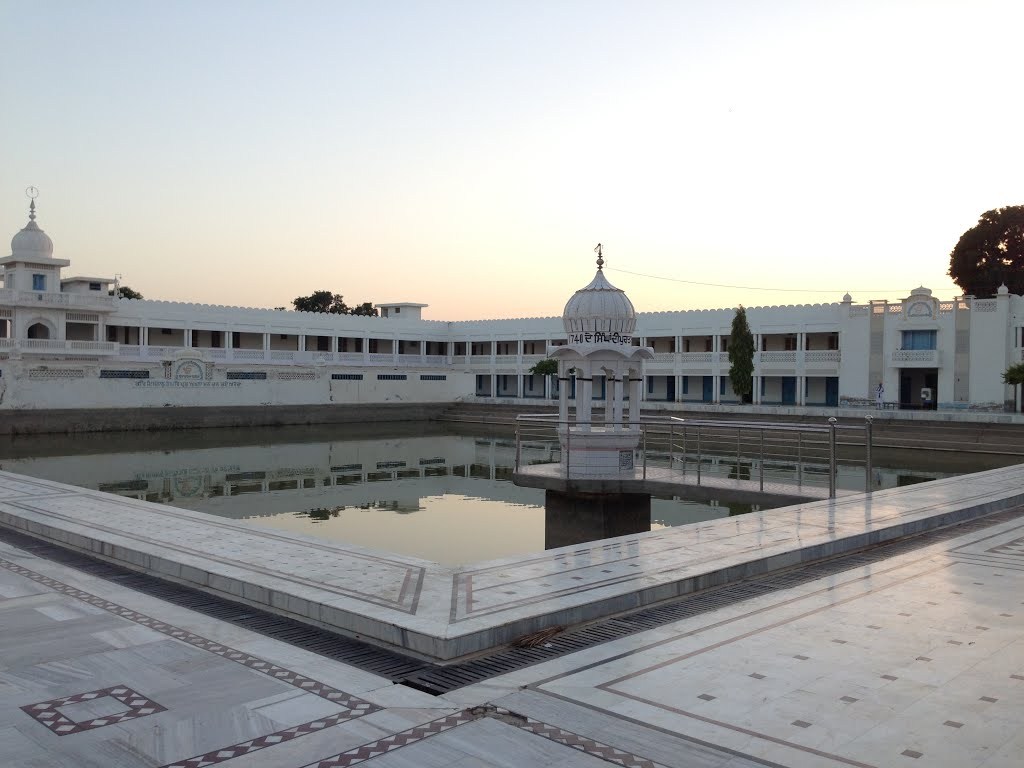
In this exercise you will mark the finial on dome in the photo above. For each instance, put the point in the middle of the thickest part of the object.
(32, 193)
(600, 261)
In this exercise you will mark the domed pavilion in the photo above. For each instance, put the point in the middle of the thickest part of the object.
(599, 321)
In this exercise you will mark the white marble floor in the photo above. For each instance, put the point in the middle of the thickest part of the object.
(917, 659)
(443, 613)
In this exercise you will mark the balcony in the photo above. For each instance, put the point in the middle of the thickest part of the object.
(780, 359)
(822, 360)
(59, 347)
(916, 358)
(276, 356)
(96, 302)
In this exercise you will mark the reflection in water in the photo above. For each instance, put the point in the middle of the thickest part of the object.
(422, 490)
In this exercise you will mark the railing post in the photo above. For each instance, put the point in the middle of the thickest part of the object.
(698, 454)
(868, 469)
(519, 449)
(568, 448)
(762, 460)
(643, 438)
(832, 456)
(671, 446)
(799, 459)
(684, 450)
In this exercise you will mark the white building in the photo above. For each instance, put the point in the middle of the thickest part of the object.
(66, 343)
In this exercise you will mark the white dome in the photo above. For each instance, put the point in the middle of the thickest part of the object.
(600, 306)
(32, 242)
(921, 291)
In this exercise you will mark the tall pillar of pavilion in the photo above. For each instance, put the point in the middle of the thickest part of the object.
(599, 322)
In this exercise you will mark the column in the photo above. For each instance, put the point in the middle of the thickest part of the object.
(679, 389)
(717, 384)
(584, 397)
(494, 385)
(563, 392)
(621, 381)
(757, 390)
(609, 399)
(636, 388)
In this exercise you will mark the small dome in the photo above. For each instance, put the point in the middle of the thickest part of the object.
(921, 291)
(1003, 290)
(32, 242)
(600, 306)
(847, 298)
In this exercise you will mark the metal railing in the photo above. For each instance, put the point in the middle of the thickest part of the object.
(799, 454)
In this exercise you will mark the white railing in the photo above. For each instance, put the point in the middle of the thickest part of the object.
(822, 356)
(82, 300)
(664, 357)
(694, 357)
(918, 356)
(777, 357)
(60, 346)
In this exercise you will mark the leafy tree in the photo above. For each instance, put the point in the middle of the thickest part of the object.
(321, 301)
(741, 355)
(991, 253)
(366, 308)
(125, 292)
(332, 303)
(1014, 376)
(546, 367)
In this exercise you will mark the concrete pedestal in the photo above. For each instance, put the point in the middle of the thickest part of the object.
(576, 518)
(598, 452)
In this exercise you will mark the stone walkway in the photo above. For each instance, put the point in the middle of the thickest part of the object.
(917, 659)
(441, 612)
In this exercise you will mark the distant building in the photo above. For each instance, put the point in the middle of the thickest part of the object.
(66, 343)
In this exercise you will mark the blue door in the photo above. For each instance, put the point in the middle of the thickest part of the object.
(832, 390)
(670, 388)
(789, 390)
(709, 389)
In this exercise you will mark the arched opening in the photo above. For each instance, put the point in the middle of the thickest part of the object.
(38, 331)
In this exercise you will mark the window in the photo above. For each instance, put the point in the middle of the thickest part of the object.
(725, 343)
(918, 340)
(790, 343)
(397, 310)
(246, 375)
(38, 282)
(686, 385)
(650, 385)
(433, 377)
(347, 376)
(833, 341)
(106, 373)
(391, 377)
(95, 287)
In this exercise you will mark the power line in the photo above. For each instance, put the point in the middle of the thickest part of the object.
(757, 288)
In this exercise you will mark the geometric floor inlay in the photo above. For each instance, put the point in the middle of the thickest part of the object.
(129, 706)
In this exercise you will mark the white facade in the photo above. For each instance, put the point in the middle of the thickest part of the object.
(65, 343)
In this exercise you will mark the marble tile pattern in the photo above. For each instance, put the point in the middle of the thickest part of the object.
(132, 705)
(916, 659)
(444, 613)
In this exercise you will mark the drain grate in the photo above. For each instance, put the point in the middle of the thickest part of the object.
(437, 679)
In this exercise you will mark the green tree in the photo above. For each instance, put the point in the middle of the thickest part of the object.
(125, 293)
(1014, 376)
(366, 308)
(321, 301)
(741, 355)
(991, 253)
(332, 303)
(546, 367)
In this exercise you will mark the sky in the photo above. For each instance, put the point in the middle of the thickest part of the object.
(470, 155)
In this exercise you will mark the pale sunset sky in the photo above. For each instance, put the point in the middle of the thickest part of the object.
(470, 155)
